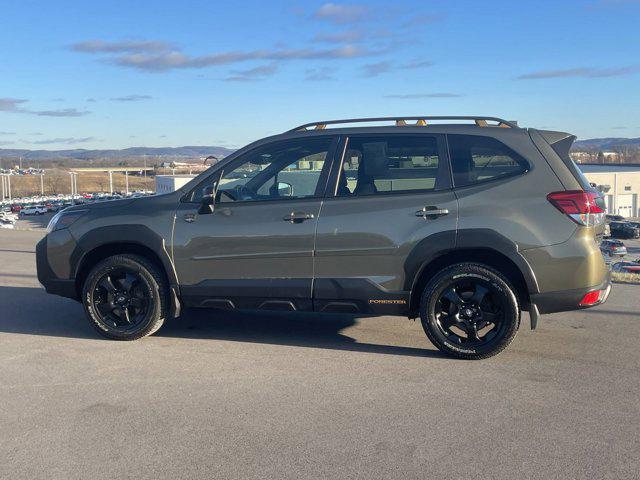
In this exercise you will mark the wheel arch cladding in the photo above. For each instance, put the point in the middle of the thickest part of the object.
(426, 260)
(104, 242)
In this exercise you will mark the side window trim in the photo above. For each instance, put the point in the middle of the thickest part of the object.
(443, 180)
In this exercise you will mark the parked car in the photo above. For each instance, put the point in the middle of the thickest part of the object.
(613, 248)
(12, 217)
(624, 230)
(626, 267)
(397, 219)
(52, 207)
(33, 210)
(5, 223)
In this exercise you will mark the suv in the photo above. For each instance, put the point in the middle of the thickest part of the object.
(463, 224)
(624, 230)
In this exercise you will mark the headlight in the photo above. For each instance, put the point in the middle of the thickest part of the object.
(64, 219)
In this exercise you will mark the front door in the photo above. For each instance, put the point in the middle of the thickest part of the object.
(253, 248)
(392, 205)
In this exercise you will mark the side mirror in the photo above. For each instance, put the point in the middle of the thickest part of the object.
(207, 200)
(285, 189)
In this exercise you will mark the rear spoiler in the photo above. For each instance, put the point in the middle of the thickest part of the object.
(560, 141)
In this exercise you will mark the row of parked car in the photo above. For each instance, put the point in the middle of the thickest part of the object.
(41, 205)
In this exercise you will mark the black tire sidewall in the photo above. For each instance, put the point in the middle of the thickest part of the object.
(152, 292)
(476, 272)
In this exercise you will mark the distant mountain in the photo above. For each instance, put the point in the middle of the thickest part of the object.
(605, 143)
(82, 154)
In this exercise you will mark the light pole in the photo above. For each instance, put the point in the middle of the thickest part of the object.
(110, 182)
(74, 185)
(42, 184)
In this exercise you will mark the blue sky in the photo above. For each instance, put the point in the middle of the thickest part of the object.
(163, 73)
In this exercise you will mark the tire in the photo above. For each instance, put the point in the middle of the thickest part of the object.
(147, 299)
(448, 309)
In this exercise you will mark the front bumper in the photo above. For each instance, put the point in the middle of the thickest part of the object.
(567, 300)
(47, 277)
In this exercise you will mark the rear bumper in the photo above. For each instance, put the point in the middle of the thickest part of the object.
(48, 278)
(567, 300)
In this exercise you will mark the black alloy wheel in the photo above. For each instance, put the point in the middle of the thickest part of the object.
(470, 311)
(126, 297)
(119, 299)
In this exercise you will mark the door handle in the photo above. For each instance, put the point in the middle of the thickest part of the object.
(189, 217)
(432, 212)
(298, 217)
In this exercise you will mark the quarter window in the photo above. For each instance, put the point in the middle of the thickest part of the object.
(391, 164)
(476, 159)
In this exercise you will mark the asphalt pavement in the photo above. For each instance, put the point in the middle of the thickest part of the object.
(244, 396)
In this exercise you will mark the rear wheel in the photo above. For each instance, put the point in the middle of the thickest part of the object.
(125, 297)
(470, 311)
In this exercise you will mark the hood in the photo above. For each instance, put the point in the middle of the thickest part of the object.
(104, 204)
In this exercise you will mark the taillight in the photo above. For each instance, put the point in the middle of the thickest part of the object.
(595, 297)
(584, 208)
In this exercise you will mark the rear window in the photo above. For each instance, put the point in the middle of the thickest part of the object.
(476, 159)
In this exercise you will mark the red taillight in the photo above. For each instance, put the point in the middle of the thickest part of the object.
(590, 298)
(584, 208)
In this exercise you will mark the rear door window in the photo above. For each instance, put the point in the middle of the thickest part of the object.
(376, 165)
(476, 159)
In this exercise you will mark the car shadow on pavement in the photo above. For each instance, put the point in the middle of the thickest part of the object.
(280, 328)
(31, 311)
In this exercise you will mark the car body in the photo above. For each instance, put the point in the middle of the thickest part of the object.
(367, 220)
(613, 248)
(624, 230)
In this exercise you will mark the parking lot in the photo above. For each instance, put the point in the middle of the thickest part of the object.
(219, 395)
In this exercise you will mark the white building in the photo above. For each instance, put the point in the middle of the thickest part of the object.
(620, 185)
(171, 183)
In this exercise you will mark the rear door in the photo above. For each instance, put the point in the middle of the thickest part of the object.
(390, 205)
(254, 248)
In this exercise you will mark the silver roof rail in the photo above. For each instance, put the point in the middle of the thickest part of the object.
(402, 121)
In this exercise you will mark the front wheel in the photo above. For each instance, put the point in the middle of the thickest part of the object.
(125, 297)
(470, 311)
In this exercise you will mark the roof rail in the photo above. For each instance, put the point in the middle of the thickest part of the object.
(402, 121)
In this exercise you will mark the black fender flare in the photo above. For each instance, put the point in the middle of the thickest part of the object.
(132, 234)
(434, 246)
